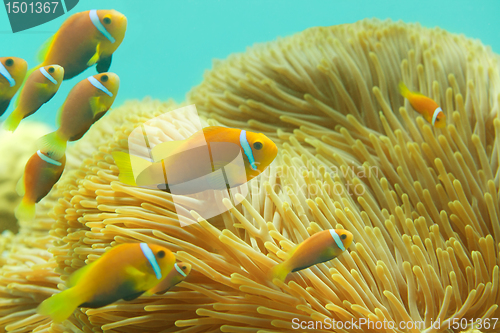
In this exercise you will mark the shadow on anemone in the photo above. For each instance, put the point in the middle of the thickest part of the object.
(422, 203)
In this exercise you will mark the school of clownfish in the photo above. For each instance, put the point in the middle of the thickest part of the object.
(84, 39)
(90, 38)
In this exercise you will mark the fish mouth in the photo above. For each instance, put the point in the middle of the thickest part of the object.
(274, 152)
(123, 21)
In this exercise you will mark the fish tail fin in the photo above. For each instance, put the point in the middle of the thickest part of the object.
(60, 306)
(129, 170)
(53, 145)
(279, 271)
(25, 211)
(403, 90)
(13, 120)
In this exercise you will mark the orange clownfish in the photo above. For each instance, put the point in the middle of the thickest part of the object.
(84, 39)
(424, 105)
(12, 73)
(176, 163)
(40, 174)
(180, 271)
(86, 103)
(320, 247)
(124, 272)
(39, 88)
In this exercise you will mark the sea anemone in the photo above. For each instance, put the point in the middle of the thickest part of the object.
(422, 203)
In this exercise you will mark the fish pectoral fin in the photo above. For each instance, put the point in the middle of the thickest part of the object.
(95, 57)
(96, 105)
(104, 64)
(41, 86)
(133, 296)
(136, 274)
(20, 187)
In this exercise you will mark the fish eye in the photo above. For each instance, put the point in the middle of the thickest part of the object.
(184, 267)
(161, 254)
(257, 145)
(104, 78)
(51, 70)
(9, 62)
(106, 20)
(344, 236)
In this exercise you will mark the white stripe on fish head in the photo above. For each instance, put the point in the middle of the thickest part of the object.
(97, 23)
(5, 73)
(247, 149)
(337, 239)
(152, 259)
(95, 82)
(48, 159)
(435, 115)
(47, 75)
(178, 269)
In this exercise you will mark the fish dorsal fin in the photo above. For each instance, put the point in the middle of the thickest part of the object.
(166, 149)
(78, 274)
(20, 187)
(44, 49)
(169, 148)
(212, 129)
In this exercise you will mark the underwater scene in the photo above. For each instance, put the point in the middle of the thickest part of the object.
(249, 166)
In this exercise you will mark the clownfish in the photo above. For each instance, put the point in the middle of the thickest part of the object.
(12, 73)
(424, 105)
(39, 88)
(86, 103)
(177, 163)
(124, 272)
(180, 271)
(40, 175)
(320, 247)
(83, 40)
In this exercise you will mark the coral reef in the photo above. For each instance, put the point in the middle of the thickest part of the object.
(422, 203)
(15, 148)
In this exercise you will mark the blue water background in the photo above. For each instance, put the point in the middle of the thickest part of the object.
(169, 44)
